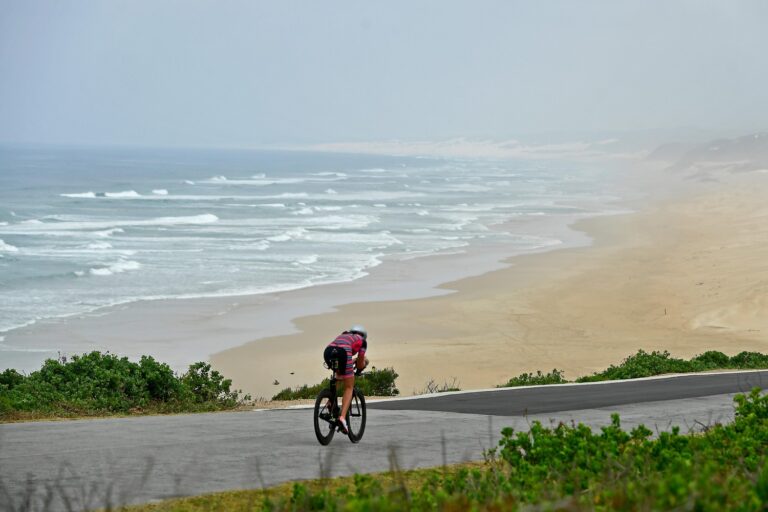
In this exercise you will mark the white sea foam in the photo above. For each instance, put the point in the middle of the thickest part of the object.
(328, 208)
(109, 225)
(336, 174)
(4, 247)
(123, 194)
(3, 223)
(255, 181)
(115, 268)
(308, 260)
(107, 232)
(373, 195)
(304, 211)
(336, 222)
(88, 195)
(330, 191)
(291, 234)
(160, 192)
(378, 240)
(97, 246)
(189, 182)
(294, 195)
(31, 221)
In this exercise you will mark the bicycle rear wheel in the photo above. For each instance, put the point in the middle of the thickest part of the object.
(356, 416)
(325, 425)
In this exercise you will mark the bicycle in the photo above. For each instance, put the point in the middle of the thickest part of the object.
(328, 409)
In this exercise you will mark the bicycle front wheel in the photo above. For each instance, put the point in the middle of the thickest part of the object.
(356, 416)
(325, 424)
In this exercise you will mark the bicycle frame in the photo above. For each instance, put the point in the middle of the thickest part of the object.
(327, 411)
(354, 406)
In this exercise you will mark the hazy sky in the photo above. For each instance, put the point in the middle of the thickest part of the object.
(248, 73)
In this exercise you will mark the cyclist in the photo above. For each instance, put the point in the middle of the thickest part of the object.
(338, 356)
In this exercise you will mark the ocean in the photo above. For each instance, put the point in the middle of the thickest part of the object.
(83, 229)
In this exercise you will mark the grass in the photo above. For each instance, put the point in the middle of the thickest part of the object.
(433, 387)
(290, 492)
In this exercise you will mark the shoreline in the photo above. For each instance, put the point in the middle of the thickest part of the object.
(183, 330)
(578, 309)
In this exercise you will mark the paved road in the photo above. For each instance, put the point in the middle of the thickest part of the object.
(92, 463)
(543, 399)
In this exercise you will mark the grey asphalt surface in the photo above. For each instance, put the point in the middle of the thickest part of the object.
(77, 465)
(543, 399)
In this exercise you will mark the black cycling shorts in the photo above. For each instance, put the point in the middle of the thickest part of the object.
(336, 359)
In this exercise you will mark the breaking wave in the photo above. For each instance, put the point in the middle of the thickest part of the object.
(115, 268)
(4, 247)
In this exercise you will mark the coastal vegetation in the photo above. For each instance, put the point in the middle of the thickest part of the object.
(101, 384)
(557, 467)
(433, 387)
(372, 383)
(648, 364)
(537, 379)
(644, 364)
(98, 384)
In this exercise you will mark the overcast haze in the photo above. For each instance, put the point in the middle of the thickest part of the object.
(249, 73)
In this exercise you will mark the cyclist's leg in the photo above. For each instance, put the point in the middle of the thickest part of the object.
(349, 384)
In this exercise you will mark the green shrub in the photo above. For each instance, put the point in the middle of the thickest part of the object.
(372, 383)
(9, 379)
(378, 382)
(208, 385)
(301, 392)
(633, 470)
(712, 359)
(748, 360)
(530, 379)
(103, 383)
(643, 364)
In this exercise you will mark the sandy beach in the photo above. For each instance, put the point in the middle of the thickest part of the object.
(686, 274)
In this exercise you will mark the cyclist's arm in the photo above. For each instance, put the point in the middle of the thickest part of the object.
(361, 362)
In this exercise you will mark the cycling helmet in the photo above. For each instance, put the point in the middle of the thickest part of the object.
(359, 329)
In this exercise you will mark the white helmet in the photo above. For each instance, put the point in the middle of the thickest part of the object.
(359, 329)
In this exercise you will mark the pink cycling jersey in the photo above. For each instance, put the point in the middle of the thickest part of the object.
(352, 344)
